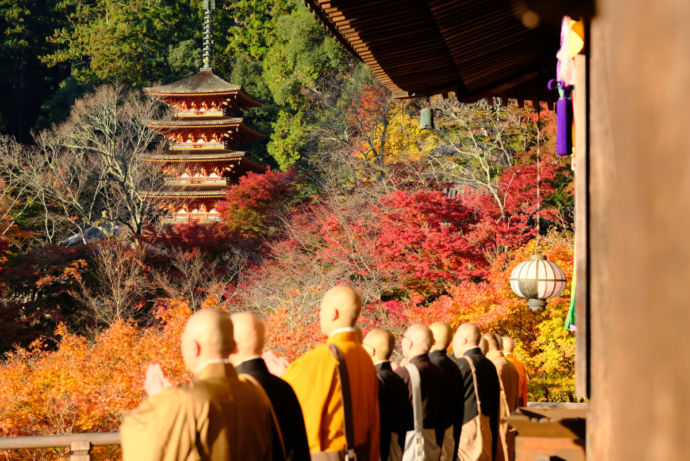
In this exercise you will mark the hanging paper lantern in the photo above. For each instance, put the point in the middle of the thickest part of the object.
(537, 280)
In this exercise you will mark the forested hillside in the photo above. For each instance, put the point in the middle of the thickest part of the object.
(426, 224)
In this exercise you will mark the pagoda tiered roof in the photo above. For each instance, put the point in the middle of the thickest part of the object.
(177, 156)
(190, 122)
(221, 156)
(203, 83)
(187, 194)
(223, 125)
(213, 124)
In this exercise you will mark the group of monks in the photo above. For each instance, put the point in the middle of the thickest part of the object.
(342, 400)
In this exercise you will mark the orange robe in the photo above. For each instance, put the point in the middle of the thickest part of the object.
(522, 379)
(314, 378)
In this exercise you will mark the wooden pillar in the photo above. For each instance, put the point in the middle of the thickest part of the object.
(639, 231)
(602, 192)
(581, 164)
(80, 451)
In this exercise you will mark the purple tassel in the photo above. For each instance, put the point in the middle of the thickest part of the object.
(564, 114)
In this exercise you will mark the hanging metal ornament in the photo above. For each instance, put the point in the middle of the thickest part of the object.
(426, 117)
(537, 279)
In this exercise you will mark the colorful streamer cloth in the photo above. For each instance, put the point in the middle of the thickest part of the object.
(570, 320)
(572, 42)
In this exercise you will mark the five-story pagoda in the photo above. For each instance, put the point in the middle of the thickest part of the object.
(203, 134)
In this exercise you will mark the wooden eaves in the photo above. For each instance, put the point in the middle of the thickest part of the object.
(474, 48)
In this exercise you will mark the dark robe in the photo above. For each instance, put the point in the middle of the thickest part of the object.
(432, 390)
(453, 401)
(286, 407)
(395, 408)
(489, 390)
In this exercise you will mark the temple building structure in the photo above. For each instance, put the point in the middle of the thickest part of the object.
(204, 135)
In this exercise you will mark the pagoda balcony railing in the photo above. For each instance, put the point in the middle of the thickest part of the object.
(197, 146)
(193, 217)
(194, 113)
(79, 444)
(197, 181)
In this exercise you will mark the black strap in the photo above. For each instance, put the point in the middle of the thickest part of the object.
(347, 400)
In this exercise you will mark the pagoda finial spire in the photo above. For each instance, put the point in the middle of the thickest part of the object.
(209, 6)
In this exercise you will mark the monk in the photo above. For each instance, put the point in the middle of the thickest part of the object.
(395, 409)
(453, 404)
(479, 435)
(215, 417)
(250, 337)
(508, 380)
(314, 377)
(507, 373)
(416, 344)
(508, 351)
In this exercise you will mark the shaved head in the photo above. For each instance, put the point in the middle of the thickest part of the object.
(467, 337)
(379, 344)
(508, 345)
(207, 335)
(492, 341)
(249, 336)
(340, 308)
(417, 340)
(442, 335)
(483, 346)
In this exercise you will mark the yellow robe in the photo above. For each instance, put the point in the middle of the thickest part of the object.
(314, 378)
(216, 417)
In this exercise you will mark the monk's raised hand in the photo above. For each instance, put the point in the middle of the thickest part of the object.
(275, 364)
(155, 380)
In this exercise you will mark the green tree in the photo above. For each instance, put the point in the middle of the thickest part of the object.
(24, 81)
(185, 57)
(253, 26)
(121, 40)
(301, 55)
(302, 68)
(289, 134)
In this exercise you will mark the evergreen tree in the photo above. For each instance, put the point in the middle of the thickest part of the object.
(24, 81)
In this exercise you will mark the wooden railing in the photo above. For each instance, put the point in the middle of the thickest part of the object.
(79, 444)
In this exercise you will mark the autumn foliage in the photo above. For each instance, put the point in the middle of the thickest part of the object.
(394, 212)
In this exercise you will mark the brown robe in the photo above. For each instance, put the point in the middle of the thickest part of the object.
(509, 379)
(215, 417)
